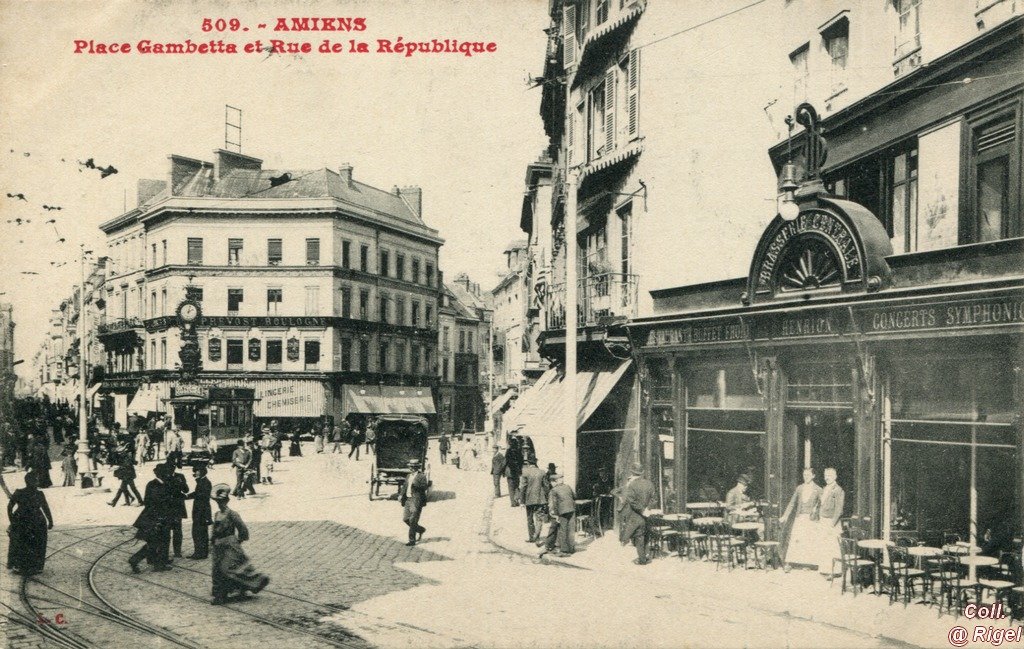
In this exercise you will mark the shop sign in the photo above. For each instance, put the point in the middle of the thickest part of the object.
(293, 349)
(808, 324)
(719, 332)
(190, 390)
(213, 349)
(818, 222)
(255, 346)
(950, 315)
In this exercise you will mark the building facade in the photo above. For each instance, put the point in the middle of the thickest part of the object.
(8, 379)
(318, 291)
(463, 340)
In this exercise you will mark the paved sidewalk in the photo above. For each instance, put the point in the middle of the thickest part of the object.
(800, 594)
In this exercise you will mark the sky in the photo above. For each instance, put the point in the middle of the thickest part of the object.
(462, 128)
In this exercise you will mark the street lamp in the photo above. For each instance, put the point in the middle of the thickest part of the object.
(788, 208)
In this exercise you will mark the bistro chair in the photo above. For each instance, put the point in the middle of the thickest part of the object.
(999, 578)
(660, 533)
(953, 588)
(692, 543)
(766, 551)
(939, 570)
(901, 575)
(852, 564)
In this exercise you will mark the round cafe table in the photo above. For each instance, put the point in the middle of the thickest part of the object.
(977, 560)
(957, 548)
(704, 505)
(707, 520)
(676, 518)
(877, 546)
(747, 526)
(923, 551)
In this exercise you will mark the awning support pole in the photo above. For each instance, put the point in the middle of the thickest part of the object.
(862, 358)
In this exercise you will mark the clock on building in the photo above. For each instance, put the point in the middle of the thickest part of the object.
(189, 311)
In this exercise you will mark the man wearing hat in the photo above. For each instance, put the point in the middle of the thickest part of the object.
(413, 498)
(154, 523)
(636, 498)
(562, 508)
(202, 516)
(533, 493)
(737, 503)
(497, 469)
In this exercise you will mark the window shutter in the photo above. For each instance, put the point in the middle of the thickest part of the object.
(570, 137)
(569, 36)
(632, 94)
(994, 136)
(609, 111)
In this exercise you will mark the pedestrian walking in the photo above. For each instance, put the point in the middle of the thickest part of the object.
(156, 435)
(295, 450)
(179, 489)
(371, 437)
(174, 445)
(267, 459)
(513, 470)
(336, 437)
(413, 500)
(534, 489)
(154, 523)
(40, 463)
(29, 516)
(635, 500)
(69, 464)
(240, 460)
(232, 571)
(562, 509)
(443, 445)
(497, 469)
(125, 472)
(202, 516)
(358, 439)
(318, 439)
(256, 465)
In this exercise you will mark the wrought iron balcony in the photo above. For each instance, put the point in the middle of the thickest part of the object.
(599, 298)
(120, 325)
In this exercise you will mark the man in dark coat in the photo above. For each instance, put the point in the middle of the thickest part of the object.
(202, 516)
(154, 523)
(241, 459)
(513, 470)
(497, 469)
(635, 498)
(414, 499)
(562, 508)
(533, 492)
(443, 445)
(179, 490)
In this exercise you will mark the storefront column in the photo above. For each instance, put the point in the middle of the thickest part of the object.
(867, 433)
(776, 474)
(1018, 394)
(680, 449)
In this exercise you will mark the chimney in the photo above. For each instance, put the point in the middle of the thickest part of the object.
(414, 199)
(182, 169)
(147, 189)
(225, 162)
(345, 171)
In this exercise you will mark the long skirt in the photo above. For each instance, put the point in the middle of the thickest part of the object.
(43, 473)
(26, 552)
(804, 542)
(319, 443)
(232, 570)
(294, 450)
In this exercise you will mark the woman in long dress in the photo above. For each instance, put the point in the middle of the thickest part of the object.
(30, 518)
(232, 571)
(69, 465)
(41, 464)
(294, 450)
(802, 541)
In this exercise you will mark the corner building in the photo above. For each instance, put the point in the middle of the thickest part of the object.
(317, 291)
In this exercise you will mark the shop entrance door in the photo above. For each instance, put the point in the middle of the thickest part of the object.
(826, 439)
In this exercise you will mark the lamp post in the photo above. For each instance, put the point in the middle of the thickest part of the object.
(84, 473)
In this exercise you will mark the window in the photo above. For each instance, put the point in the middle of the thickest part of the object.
(400, 266)
(274, 252)
(994, 178)
(364, 305)
(312, 252)
(415, 319)
(364, 356)
(152, 304)
(346, 302)
(469, 342)
(382, 308)
(385, 262)
(837, 43)
(234, 300)
(446, 339)
(400, 310)
(164, 258)
(903, 208)
(444, 370)
(346, 254)
(364, 258)
(153, 261)
(596, 123)
(311, 354)
(124, 304)
(908, 31)
(236, 353)
(274, 298)
(139, 310)
(346, 354)
(415, 352)
(626, 225)
(800, 72)
(382, 356)
(400, 356)
(234, 252)
(428, 314)
(632, 76)
(195, 252)
(429, 272)
(415, 278)
(163, 353)
(163, 301)
(197, 293)
(312, 300)
(601, 11)
(275, 347)
(462, 341)
(152, 354)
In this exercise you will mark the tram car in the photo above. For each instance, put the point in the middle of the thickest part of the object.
(399, 439)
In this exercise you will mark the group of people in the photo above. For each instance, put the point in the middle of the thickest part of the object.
(355, 435)
(159, 526)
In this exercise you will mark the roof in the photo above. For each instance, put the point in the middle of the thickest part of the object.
(463, 302)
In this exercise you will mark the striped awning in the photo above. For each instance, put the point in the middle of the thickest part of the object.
(500, 401)
(388, 400)
(627, 153)
(626, 18)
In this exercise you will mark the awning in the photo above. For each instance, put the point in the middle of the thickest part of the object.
(388, 399)
(499, 403)
(146, 400)
(92, 390)
(628, 153)
(548, 402)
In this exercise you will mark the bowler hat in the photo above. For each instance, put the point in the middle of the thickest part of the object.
(220, 492)
(637, 469)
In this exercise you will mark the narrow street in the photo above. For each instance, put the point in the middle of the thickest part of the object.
(342, 576)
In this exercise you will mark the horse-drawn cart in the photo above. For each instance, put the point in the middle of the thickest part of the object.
(400, 438)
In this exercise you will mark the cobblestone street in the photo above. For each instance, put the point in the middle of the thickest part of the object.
(342, 576)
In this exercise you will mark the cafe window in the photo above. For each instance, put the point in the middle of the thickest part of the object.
(346, 354)
(994, 175)
(274, 299)
(953, 425)
(346, 254)
(235, 296)
(821, 385)
(462, 341)
(234, 252)
(274, 252)
(364, 356)
(195, 252)
(312, 252)
(275, 347)
(903, 206)
(236, 353)
(311, 354)
(469, 343)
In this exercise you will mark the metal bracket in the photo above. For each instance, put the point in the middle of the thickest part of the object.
(861, 356)
(752, 357)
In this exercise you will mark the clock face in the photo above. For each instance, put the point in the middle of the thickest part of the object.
(188, 312)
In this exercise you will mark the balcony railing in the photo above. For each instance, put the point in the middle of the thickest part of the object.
(599, 297)
(119, 325)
